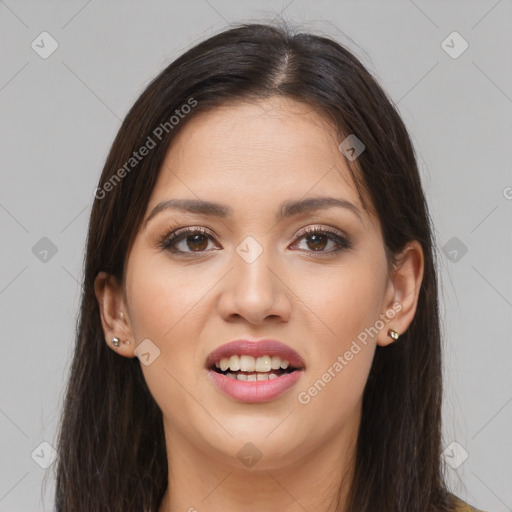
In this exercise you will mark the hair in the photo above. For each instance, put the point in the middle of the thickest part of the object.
(111, 444)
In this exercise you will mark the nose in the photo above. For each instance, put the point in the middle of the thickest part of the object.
(255, 291)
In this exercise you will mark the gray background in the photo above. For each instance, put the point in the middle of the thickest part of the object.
(59, 116)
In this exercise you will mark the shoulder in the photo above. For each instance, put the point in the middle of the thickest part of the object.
(462, 506)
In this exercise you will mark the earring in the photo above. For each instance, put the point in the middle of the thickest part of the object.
(115, 342)
(126, 342)
(393, 334)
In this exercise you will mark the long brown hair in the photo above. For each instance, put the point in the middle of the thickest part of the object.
(111, 446)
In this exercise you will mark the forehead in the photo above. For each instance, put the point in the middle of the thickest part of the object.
(256, 151)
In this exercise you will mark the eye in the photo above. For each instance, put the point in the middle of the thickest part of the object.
(195, 238)
(317, 239)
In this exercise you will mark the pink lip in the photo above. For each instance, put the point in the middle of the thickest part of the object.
(256, 349)
(255, 391)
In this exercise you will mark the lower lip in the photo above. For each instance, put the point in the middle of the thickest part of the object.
(255, 391)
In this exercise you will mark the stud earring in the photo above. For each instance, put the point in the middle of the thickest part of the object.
(393, 334)
(115, 342)
(126, 342)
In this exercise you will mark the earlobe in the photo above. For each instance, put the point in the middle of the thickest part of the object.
(116, 327)
(404, 286)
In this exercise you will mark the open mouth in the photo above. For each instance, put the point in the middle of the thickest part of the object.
(251, 369)
(254, 371)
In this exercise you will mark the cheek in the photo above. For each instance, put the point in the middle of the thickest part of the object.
(335, 381)
(331, 399)
(343, 300)
(164, 305)
(348, 304)
(163, 299)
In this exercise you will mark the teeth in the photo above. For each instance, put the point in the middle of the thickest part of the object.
(252, 377)
(263, 364)
(244, 363)
(247, 363)
(275, 363)
(234, 363)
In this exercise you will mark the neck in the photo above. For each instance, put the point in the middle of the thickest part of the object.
(312, 481)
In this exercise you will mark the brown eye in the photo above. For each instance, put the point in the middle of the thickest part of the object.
(318, 240)
(196, 242)
(186, 240)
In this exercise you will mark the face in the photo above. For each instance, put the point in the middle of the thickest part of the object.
(314, 279)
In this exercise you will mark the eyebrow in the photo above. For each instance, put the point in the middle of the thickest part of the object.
(288, 208)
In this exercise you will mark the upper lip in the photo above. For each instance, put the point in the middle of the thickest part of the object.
(259, 348)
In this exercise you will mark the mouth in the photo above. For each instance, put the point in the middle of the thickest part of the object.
(254, 371)
(250, 369)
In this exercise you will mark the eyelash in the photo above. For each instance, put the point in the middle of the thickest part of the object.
(169, 240)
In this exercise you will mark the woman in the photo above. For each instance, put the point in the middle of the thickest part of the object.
(259, 322)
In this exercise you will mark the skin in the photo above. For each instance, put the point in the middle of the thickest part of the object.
(252, 157)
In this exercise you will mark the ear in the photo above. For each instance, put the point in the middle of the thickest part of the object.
(402, 291)
(113, 312)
